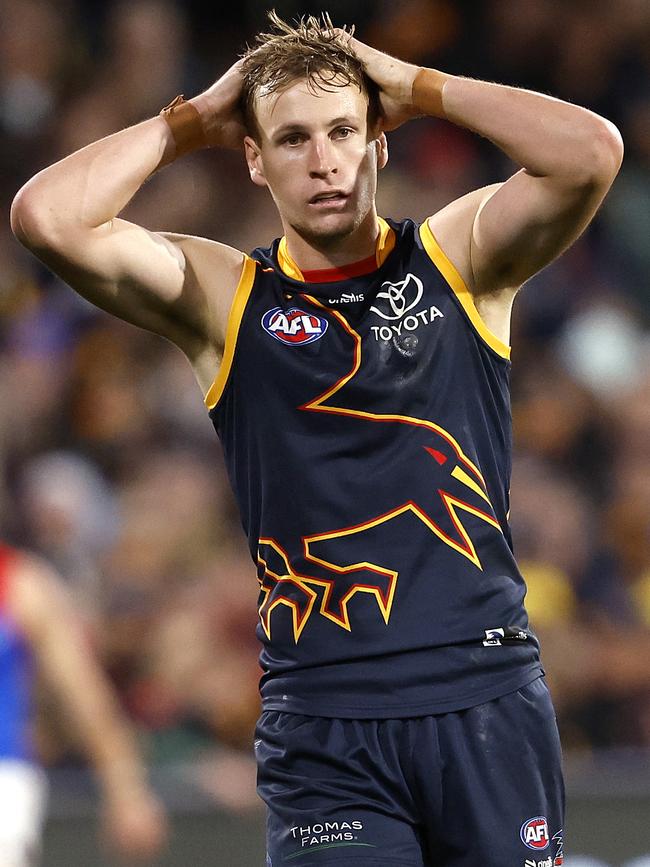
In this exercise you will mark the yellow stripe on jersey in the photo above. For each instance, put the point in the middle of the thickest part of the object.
(385, 242)
(460, 290)
(239, 301)
(384, 246)
(286, 263)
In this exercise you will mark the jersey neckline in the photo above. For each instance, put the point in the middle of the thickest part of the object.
(384, 246)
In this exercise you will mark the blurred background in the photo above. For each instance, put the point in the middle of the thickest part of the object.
(110, 468)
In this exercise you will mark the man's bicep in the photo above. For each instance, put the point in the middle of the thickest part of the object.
(149, 279)
(524, 224)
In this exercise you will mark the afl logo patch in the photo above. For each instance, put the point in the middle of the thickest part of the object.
(294, 326)
(534, 833)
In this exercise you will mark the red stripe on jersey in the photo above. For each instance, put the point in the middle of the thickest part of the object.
(345, 272)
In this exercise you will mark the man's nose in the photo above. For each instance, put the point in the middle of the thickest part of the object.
(322, 158)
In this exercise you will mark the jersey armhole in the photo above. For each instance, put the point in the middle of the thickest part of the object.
(239, 302)
(460, 290)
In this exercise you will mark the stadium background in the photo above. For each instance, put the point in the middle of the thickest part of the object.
(109, 465)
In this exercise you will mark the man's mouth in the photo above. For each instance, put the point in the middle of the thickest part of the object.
(329, 198)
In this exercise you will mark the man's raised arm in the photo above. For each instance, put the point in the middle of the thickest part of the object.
(67, 216)
(504, 234)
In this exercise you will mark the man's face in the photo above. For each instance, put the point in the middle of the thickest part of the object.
(316, 156)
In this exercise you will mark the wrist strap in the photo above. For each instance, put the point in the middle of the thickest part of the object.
(185, 124)
(427, 92)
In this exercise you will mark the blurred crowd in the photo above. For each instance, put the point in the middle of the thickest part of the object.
(108, 463)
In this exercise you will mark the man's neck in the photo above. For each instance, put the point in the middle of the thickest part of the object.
(359, 245)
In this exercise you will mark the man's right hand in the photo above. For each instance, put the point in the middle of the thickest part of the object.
(218, 106)
(135, 824)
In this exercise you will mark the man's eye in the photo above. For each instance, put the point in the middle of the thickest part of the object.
(293, 140)
(344, 132)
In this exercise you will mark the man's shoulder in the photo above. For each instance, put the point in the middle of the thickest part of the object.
(206, 251)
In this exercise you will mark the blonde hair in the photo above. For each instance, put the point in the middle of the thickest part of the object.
(312, 50)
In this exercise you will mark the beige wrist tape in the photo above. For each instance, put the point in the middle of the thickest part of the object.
(185, 124)
(427, 92)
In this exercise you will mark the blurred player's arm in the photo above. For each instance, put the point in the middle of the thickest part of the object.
(177, 286)
(134, 820)
(500, 236)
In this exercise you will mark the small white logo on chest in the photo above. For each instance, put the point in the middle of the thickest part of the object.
(393, 304)
(410, 323)
(347, 298)
(396, 299)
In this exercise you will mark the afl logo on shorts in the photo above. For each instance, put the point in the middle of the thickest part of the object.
(534, 833)
(294, 326)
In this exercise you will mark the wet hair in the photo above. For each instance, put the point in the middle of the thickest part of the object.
(312, 49)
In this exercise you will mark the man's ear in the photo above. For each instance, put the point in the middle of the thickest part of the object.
(254, 161)
(382, 150)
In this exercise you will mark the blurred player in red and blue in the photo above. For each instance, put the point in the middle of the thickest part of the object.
(361, 396)
(40, 636)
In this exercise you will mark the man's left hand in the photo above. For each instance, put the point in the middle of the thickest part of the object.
(395, 81)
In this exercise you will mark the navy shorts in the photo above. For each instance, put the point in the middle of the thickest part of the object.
(481, 786)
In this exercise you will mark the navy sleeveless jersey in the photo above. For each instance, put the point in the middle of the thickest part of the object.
(366, 429)
(15, 675)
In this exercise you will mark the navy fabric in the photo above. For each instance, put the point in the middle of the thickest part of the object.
(367, 434)
(482, 786)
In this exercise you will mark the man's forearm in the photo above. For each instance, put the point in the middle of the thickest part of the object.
(546, 136)
(92, 185)
(91, 708)
(116, 762)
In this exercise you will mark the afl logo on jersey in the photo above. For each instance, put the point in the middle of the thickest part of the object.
(534, 833)
(294, 326)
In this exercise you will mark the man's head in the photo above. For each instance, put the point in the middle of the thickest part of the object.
(312, 50)
(312, 115)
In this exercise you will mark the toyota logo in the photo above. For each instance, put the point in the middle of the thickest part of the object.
(400, 297)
